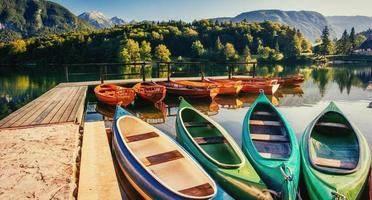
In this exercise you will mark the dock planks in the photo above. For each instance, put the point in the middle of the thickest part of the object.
(97, 173)
(58, 105)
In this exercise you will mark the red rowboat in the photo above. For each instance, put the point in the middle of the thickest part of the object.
(191, 89)
(253, 85)
(112, 94)
(150, 91)
(227, 86)
(291, 80)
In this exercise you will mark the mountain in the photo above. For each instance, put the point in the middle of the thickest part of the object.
(27, 18)
(309, 23)
(340, 23)
(98, 20)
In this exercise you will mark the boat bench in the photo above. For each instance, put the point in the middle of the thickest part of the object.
(267, 137)
(161, 158)
(333, 163)
(264, 113)
(139, 137)
(332, 125)
(197, 124)
(264, 123)
(199, 190)
(210, 140)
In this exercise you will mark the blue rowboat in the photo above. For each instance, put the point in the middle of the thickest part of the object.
(155, 165)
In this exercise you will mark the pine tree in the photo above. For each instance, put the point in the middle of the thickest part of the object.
(218, 46)
(327, 46)
(352, 38)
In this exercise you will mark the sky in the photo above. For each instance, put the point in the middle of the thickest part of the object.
(189, 10)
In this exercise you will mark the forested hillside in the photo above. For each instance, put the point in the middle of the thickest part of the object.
(26, 18)
(150, 40)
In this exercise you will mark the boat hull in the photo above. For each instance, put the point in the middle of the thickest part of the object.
(270, 169)
(150, 92)
(113, 94)
(190, 91)
(241, 183)
(321, 184)
(226, 86)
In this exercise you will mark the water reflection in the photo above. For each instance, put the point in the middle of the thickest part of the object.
(19, 85)
(229, 102)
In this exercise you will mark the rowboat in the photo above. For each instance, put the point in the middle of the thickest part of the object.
(155, 165)
(253, 85)
(294, 80)
(270, 144)
(335, 157)
(150, 91)
(226, 86)
(217, 152)
(112, 94)
(191, 89)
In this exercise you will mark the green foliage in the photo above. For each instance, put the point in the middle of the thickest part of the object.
(343, 45)
(130, 52)
(197, 49)
(268, 54)
(162, 53)
(327, 46)
(145, 51)
(352, 38)
(199, 39)
(247, 54)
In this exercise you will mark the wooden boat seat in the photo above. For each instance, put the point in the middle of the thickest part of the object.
(210, 140)
(333, 125)
(264, 123)
(197, 124)
(270, 155)
(267, 137)
(139, 137)
(161, 158)
(333, 163)
(199, 190)
(263, 113)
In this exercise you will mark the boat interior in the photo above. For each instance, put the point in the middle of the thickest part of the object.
(333, 143)
(268, 133)
(164, 159)
(209, 138)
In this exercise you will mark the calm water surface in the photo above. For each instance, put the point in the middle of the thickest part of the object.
(344, 84)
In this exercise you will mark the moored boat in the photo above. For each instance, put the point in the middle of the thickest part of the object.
(335, 157)
(226, 86)
(294, 80)
(253, 85)
(113, 94)
(217, 152)
(154, 163)
(191, 89)
(271, 146)
(150, 91)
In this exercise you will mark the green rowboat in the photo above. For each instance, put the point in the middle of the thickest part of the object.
(217, 152)
(335, 157)
(271, 147)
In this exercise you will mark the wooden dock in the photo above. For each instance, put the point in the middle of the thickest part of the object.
(59, 105)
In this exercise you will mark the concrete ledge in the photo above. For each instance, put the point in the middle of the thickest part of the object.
(97, 174)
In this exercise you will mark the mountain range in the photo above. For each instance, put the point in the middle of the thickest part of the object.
(27, 18)
(308, 22)
(98, 20)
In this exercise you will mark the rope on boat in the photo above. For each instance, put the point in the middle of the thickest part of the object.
(338, 196)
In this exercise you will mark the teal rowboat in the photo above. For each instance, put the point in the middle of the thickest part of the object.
(271, 146)
(217, 152)
(335, 157)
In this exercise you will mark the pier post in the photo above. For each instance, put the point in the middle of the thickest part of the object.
(66, 73)
(158, 71)
(230, 72)
(254, 70)
(143, 72)
(169, 71)
(101, 74)
(202, 72)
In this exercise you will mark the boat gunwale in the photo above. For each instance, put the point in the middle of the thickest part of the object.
(223, 132)
(179, 148)
(333, 171)
(248, 117)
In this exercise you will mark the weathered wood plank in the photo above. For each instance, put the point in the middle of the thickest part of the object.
(79, 106)
(17, 114)
(68, 100)
(70, 107)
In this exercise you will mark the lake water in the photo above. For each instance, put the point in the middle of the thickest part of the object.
(344, 84)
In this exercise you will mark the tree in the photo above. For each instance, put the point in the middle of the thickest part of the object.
(352, 38)
(292, 49)
(218, 45)
(327, 46)
(145, 51)
(197, 49)
(18, 47)
(247, 54)
(130, 52)
(343, 45)
(229, 52)
(162, 53)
